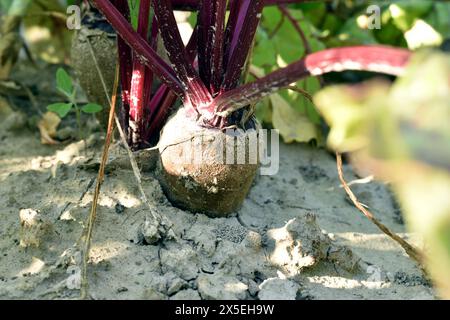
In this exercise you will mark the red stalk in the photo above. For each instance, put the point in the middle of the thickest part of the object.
(364, 58)
(148, 56)
(245, 16)
(137, 92)
(193, 86)
(125, 63)
(210, 43)
(148, 87)
(163, 99)
(194, 5)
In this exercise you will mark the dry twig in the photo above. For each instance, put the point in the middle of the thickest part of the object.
(413, 252)
(165, 223)
(302, 92)
(100, 176)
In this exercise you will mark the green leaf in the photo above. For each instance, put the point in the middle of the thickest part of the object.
(314, 12)
(438, 19)
(270, 18)
(263, 111)
(331, 24)
(390, 34)
(264, 53)
(64, 82)
(91, 108)
(444, 237)
(352, 34)
(134, 12)
(278, 43)
(4, 5)
(17, 8)
(61, 109)
(405, 13)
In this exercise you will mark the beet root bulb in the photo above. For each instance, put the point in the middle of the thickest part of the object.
(206, 170)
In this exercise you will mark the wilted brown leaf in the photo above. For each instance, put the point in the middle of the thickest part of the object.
(46, 32)
(47, 127)
(293, 125)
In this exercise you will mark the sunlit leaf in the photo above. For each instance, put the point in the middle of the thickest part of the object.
(422, 34)
(444, 235)
(293, 126)
(405, 13)
(342, 109)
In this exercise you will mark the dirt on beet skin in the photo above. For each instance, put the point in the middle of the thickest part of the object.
(246, 256)
(193, 169)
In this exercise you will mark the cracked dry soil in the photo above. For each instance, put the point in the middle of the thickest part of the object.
(295, 237)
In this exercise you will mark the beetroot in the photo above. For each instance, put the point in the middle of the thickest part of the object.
(210, 90)
(195, 171)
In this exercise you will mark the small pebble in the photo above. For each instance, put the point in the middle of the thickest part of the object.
(119, 208)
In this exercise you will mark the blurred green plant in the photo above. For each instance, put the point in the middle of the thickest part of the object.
(40, 25)
(407, 23)
(14, 7)
(64, 84)
(401, 134)
(404, 23)
(45, 31)
(10, 39)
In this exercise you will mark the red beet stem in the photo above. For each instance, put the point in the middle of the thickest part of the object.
(163, 99)
(125, 65)
(149, 57)
(193, 86)
(381, 59)
(193, 5)
(149, 77)
(137, 92)
(211, 25)
(244, 19)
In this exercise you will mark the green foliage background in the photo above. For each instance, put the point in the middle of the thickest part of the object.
(406, 23)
